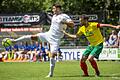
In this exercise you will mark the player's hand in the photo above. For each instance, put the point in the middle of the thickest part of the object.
(63, 31)
(118, 27)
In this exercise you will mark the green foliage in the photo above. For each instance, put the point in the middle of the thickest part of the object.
(47, 4)
(69, 6)
(21, 6)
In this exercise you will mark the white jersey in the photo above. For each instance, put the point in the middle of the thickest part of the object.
(119, 34)
(54, 35)
(57, 25)
(112, 40)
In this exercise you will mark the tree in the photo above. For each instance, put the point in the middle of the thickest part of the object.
(21, 6)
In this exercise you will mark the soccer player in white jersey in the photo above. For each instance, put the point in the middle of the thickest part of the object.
(54, 34)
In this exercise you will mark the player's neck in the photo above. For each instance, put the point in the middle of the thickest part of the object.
(86, 25)
(58, 13)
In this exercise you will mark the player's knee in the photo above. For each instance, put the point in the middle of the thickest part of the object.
(52, 55)
(91, 58)
(83, 59)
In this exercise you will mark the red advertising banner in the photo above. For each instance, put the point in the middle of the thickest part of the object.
(19, 29)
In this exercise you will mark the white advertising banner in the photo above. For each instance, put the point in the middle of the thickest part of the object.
(72, 54)
(106, 54)
(109, 54)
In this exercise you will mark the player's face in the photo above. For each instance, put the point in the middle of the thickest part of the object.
(55, 10)
(83, 21)
(113, 32)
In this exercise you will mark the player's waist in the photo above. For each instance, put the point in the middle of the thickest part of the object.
(96, 42)
(55, 34)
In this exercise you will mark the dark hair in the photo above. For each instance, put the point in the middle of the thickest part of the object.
(57, 5)
(84, 16)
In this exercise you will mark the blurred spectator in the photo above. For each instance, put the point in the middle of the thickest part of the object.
(10, 54)
(27, 48)
(59, 55)
(33, 51)
(6, 53)
(113, 40)
(30, 48)
(119, 39)
(47, 50)
(43, 52)
(15, 51)
(1, 60)
(21, 47)
(106, 43)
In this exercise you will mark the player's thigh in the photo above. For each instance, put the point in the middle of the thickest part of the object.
(88, 51)
(42, 37)
(97, 50)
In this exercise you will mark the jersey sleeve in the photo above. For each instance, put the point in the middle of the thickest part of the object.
(95, 25)
(79, 31)
(66, 18)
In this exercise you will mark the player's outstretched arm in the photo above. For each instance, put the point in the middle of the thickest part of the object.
(109, 25)
(70, 35)
(70, 23)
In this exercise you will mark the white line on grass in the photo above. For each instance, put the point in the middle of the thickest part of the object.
(117, 78)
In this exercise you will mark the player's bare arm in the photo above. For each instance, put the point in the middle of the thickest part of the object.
(70, 35)
(70, 23)
(109, 25)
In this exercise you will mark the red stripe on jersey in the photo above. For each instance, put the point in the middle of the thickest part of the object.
(98, 25)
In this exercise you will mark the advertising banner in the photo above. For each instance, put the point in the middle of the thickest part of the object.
(19, 29)
(76, 54)
(12, 20)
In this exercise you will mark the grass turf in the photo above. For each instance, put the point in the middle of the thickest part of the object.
(65, 70)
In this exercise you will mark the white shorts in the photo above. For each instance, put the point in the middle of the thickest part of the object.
(54, 44)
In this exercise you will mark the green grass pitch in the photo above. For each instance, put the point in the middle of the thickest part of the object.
(65, 70)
